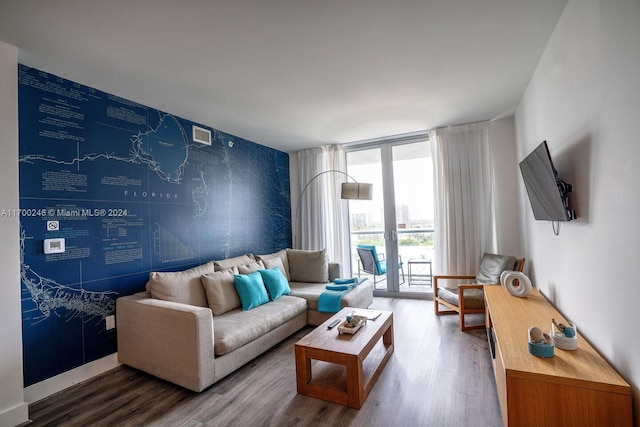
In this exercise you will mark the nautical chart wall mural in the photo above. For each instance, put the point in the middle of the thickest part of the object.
(129, 191)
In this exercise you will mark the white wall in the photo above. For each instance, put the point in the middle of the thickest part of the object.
(13, 409)
(584, 99)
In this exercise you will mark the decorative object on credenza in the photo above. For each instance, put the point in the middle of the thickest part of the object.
(349, 191)
(565, 335)
(540, 343)
(516, 283)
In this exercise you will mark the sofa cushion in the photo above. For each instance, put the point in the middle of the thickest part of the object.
(275, 282)
(251, 267)
(251, 289)
(220, 288)
(180, 286)
(361, 296)
(282, 255)
(236, 328)
(225, 264)
(308, 266)
(275, 262)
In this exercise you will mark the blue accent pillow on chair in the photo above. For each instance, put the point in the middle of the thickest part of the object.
(382, 267)
(275, 282)
(251, 289)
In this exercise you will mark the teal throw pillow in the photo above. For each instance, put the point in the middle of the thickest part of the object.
(276, 283)
(251, 289)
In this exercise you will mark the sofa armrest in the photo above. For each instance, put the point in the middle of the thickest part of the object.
(334, 271)
(170, 340)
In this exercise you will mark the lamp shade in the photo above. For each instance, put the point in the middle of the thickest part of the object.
(357, 190)
(349, 190)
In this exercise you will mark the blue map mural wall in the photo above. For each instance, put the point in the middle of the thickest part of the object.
(131, 192)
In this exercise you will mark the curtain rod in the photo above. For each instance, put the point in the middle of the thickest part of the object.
(404, 137)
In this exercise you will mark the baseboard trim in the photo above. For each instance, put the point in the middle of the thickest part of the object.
(17, 415)
(52, 385)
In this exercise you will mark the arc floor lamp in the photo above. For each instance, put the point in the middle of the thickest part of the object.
(349, 191)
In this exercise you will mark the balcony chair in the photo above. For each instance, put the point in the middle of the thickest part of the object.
(466, 299)
(373, 263)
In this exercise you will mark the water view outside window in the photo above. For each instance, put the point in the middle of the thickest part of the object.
(408, 169)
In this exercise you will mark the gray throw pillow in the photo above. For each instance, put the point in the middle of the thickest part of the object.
(282, 254)
(221, 291)
(250, 268)
(225, 264)
(180, 286)
(308, 266)
(275, 262)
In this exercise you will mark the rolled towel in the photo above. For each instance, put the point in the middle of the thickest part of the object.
(339, 287)
(344, 281)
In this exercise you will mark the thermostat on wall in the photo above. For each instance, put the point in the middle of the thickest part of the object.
(53, 246)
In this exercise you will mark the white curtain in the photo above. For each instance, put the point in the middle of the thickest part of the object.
(465, 217)
(321, 220)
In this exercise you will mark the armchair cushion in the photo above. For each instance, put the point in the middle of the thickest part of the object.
(382, 267)
(492, 265)
(473, 298)
(378, 259)
(373, 250)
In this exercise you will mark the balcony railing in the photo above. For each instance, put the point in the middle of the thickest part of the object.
(407, 250)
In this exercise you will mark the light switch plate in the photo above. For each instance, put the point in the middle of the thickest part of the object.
(110, 321)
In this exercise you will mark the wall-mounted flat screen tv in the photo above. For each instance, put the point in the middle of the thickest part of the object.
(547, 193)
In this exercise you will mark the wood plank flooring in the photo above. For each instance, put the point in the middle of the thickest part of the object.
(437, 376)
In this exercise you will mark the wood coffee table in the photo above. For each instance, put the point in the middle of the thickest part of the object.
(347, 366)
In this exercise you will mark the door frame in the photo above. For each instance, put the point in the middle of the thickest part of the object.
(385, 145)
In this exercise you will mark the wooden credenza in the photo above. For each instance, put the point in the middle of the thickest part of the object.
(573, 388)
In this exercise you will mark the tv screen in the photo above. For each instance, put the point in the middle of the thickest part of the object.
(547, 193)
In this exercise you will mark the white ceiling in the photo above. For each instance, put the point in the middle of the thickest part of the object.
(294, 74)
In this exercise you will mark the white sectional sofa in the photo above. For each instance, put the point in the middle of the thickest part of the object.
(190, 328)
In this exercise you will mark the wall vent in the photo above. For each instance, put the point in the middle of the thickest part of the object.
(201, 135)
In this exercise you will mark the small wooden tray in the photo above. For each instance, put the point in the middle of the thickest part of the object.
(347, 328)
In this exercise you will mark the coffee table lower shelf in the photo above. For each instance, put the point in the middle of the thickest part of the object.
(345, 367)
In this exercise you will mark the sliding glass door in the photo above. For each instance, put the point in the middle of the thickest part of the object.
(398, 222)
